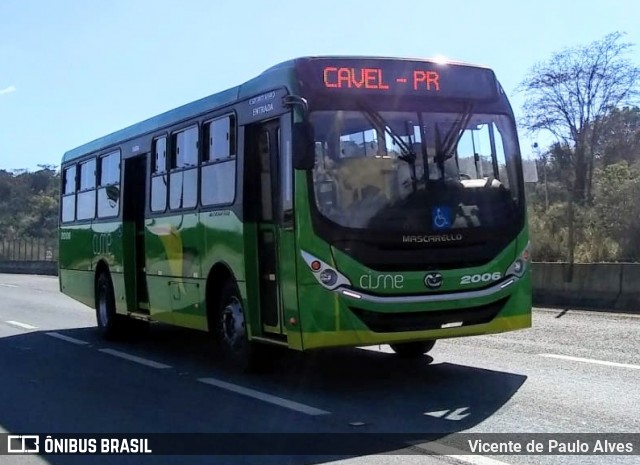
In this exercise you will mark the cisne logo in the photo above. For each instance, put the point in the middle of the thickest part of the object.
(382, 281)
(441, 218)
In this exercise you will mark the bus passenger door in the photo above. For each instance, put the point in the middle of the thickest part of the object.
(135, 175)
(264, 140)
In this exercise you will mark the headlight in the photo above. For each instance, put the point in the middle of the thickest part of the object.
(519, 265)
(326, 275)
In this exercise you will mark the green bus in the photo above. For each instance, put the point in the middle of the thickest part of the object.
(330, 201)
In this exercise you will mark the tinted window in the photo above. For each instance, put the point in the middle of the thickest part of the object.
(88, 175)
(185, 148)
(264, 152)
(69, 180)
(108, 201)
(183, 184)
(159, 193)
(86, 200)
(219, 183)
(184, 189)
(68, 208)
(286, 168)
(86, 205)
(220, 143)
(190, 188)
(110, 169)
(158, 180)
(160, 155)
(175, 195)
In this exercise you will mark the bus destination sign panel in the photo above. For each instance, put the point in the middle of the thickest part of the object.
(400, 77)
(373, 78)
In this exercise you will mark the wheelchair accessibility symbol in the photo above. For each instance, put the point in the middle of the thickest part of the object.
(441, 218)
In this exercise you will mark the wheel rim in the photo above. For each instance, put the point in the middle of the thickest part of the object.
(103, 311)
(233, 325)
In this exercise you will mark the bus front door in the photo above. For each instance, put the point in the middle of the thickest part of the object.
(265, 142)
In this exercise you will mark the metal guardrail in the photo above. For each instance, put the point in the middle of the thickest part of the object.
(29, 249)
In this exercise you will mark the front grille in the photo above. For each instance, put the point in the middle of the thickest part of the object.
(420, 321)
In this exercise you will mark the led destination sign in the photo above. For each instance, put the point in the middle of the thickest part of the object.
(373, 78)
(398, 77)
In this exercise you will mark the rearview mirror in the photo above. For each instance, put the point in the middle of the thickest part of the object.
(303, 146)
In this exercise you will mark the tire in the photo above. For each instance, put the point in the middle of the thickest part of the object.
(239, 354)
(413, 349)
(110, 324)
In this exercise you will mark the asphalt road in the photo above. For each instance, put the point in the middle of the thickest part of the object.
(573, 372)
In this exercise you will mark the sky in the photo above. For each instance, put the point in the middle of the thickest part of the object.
(75, 70)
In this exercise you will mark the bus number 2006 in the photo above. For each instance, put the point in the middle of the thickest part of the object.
(480, 278)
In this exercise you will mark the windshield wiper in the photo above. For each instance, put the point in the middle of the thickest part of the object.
(407, 154)
(444, 149)
(381, 125)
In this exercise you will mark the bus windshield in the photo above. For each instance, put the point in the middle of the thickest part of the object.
(415, 172)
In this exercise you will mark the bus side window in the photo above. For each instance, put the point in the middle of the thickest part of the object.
(69, 194)
(87, 192)
(159, 175)
(109, 185)
(218, 180)
(183, 188)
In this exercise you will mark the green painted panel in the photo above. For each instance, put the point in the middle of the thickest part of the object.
(78, 285)
(288, 253)
(76, 247)
(223, 242)
(328, 322)
(173, 246)
(187, 304)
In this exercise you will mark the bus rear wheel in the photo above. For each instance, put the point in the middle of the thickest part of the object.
(413, 349)
(238, 352)
(110, 324)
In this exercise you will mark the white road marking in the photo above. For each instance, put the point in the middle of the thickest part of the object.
(456, 415)
(456, 454)
(286, 403)
(378, 348)
(17, 324)
(7, 285)
(135, 358)
(437, 414)
(72, 340)
(591, 360)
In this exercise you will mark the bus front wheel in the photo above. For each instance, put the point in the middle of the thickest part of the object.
(413, 349)
(238, 352)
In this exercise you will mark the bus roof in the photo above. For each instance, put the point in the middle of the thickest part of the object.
(278, 75)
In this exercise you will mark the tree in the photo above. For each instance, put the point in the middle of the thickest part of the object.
(29, 204)
(619, 139)
(569, 96)
(616, 211)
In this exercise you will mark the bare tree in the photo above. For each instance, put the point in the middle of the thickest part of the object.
(570, 95)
